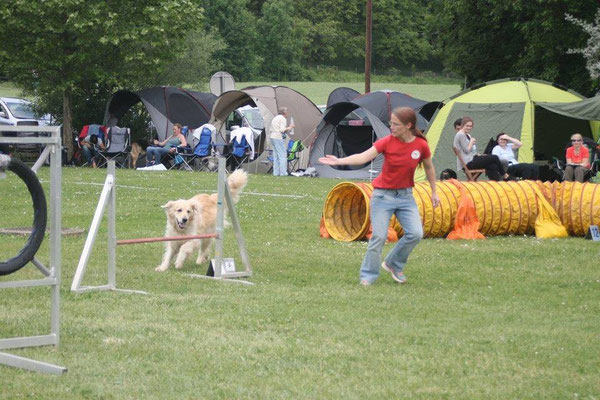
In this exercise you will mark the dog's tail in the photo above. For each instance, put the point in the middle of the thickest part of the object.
(237, 181)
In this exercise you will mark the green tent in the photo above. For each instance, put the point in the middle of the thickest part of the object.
(540, 114)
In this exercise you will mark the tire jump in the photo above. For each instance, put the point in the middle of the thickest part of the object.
(39, 215)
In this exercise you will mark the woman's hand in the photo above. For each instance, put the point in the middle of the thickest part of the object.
(329, 160)
(435, 200)
(172, 150)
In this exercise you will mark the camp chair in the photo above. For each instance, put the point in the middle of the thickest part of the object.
(204, 149)
(294, 147)
(117, 147)
(240, 151)
(471, 174)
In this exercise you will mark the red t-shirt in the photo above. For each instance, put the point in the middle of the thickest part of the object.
(400, 161)
(584, 154)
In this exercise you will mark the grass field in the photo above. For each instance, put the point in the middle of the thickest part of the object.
(319, 91)
(7, 89)
(502, 318)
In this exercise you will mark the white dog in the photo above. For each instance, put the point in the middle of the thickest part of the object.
(195, 216)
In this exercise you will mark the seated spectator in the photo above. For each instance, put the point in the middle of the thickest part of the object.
(465, 145)
(505, 152)
(155, 153)
(578, 160)
(89, 148)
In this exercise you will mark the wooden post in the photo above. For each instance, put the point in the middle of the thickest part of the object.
(368, 40)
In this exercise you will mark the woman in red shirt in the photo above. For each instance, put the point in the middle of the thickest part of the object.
(578, 159)
(403, 150)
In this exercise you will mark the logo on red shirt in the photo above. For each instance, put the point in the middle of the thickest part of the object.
(415, 154)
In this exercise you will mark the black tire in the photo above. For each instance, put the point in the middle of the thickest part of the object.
(39, 219)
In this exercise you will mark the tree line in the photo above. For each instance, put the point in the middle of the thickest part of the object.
(72, 54)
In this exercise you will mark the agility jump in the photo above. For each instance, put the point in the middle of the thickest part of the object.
(51, 274)
(108, 200)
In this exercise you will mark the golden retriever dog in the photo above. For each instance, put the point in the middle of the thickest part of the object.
(195, 216)
(137, 150)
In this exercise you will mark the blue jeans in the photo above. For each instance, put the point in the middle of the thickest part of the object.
(88, 154)
(279, 157)
(384, 203)
(155, 153)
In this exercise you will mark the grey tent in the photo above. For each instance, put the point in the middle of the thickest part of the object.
(341, 94)
(268, 99)
(166, 105)
(342, 137)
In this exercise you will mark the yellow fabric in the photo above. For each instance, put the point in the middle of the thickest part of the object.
(466, 222)
(502, 208)
(547, 223)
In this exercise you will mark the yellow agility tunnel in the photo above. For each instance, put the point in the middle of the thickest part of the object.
(503, 208)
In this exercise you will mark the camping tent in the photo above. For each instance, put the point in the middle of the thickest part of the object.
(519, 107)
(342, 137)
(268, 99)
(166, 105)
(341, 94)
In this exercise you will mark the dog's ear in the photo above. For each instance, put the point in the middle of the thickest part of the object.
(168, 205)
(195, 207)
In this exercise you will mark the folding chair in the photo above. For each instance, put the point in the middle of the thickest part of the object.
(294, 147)
(203, 150)
(471, 174)
(117, 148)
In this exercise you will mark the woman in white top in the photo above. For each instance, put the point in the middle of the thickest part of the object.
(504, 151)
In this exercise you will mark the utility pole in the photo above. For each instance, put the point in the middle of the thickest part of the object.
(368, 40)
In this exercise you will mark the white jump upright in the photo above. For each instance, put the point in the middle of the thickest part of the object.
(51, 275)
(220, 272)
(108, 200)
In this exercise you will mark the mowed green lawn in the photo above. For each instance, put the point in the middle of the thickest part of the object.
(502, 318)
(319, 91)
